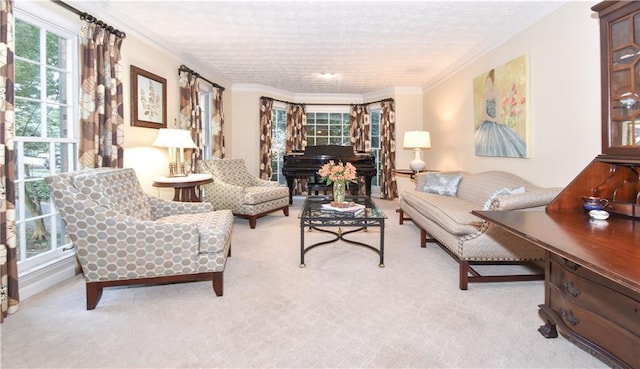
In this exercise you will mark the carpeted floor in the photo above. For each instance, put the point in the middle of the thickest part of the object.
(342, 310)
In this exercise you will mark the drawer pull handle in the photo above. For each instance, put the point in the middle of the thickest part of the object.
(570, 318)
(571, 289)
(571, 265)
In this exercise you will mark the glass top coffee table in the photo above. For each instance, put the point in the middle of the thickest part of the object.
(314, 217)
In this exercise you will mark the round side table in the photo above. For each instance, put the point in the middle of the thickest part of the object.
(185, 188)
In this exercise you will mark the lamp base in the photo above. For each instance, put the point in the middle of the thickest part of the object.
(417, 165)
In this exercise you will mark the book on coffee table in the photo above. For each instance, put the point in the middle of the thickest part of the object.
(351, 209)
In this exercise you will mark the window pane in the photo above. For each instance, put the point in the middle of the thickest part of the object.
(27, 80)
(56, 121)
(28, 42)
(311, 118)
(321, 130)
(27, 115)
(56, 86)
(36, 159)
(336, 131)
(322, 118)
(56, 51)
(37, 236)
(64, 157)
(335, 118)
(322, 141)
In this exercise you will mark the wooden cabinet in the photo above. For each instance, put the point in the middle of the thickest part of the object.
(592, 279)
(591, 309)
(620, 64)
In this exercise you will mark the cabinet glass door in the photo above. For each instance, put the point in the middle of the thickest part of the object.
(621, 131)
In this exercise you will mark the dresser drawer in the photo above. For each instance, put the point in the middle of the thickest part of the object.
(613, 338)
(596, 298)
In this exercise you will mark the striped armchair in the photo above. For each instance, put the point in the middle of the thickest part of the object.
(245, 195)
(123, 236)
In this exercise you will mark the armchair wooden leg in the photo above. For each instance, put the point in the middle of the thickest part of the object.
(423, 238)
(285, 210)
(94, 293)
(252, 222)
(217, 280)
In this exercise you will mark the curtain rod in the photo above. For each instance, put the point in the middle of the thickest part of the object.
(90, 18)
(184, 68)
(292, 103)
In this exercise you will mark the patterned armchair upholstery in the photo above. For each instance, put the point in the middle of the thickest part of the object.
(123, 236)
(245, 195)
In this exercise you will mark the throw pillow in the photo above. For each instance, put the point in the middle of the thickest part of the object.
(502, 191)
(442, 183)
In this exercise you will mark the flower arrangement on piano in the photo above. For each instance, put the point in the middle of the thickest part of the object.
(332, 172)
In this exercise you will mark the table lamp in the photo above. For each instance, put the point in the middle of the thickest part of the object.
(417, 141)
(175, 140)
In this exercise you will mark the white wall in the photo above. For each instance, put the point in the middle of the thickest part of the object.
(149, 161)
(564, 77)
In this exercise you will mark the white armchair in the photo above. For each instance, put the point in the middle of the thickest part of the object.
(123, 236)
(247, 196)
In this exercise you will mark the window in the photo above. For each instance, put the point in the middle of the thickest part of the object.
(206, 114)
(45, 136)
(323, 128)
(374, 118)
(328, 129)
(278, 143)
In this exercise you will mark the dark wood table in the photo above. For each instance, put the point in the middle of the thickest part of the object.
(592, 279)
(185, 188)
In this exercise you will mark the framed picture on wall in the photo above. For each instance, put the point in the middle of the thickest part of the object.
(148, 99)
(501, 110)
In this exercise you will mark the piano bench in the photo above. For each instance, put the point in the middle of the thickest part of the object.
(314, 188)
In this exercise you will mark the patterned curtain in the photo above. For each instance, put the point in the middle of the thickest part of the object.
(218, 125)
(9, 298)
(360, 129)
(297, 137)
(101, 102)
(190, 113)
(296, 127)
(266, 122)
(360, 137)
(388, 185)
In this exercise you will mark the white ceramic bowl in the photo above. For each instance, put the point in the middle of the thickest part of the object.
(598, 214)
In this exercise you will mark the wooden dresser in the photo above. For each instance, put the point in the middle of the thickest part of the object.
(592, 277)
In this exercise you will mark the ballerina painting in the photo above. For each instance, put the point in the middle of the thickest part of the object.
(500, 111)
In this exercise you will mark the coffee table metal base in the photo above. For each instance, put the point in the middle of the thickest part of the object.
(339, 235)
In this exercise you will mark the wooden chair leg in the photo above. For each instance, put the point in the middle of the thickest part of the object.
(423, 238)
(94, 293)
(285, 210)
(252, 222)
(217, 281)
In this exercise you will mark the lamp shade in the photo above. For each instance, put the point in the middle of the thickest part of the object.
(417, 140)
(170, 137)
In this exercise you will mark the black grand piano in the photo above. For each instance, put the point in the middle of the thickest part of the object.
(307, 163)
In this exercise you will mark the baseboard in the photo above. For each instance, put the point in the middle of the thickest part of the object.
(46, 277)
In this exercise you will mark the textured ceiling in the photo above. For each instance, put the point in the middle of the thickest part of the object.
(369, 45)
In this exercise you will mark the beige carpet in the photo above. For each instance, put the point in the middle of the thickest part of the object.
(340, 311)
